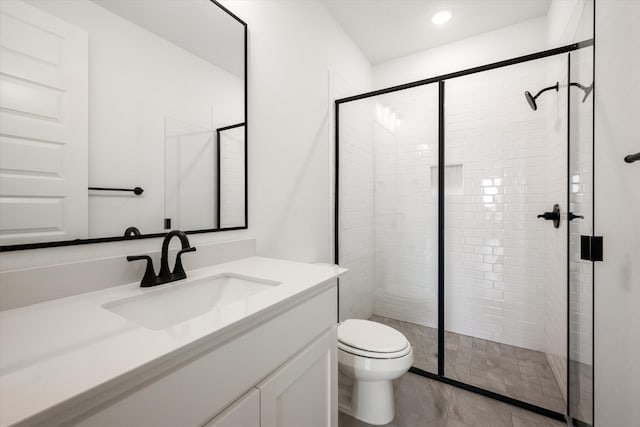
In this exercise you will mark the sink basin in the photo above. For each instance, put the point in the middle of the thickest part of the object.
(168, 306)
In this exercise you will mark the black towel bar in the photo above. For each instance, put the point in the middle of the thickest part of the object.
(137, 191)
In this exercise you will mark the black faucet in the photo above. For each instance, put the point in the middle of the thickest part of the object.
(165, 275)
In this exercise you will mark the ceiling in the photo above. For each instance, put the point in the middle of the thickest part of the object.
(388, 29)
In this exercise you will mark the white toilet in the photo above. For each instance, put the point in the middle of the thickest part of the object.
(371, 355)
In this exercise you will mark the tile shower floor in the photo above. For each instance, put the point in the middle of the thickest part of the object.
(421, 402)
(512, 371)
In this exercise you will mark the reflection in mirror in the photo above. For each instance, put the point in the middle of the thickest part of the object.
(139, 86)
(232, 178)
(190, 162)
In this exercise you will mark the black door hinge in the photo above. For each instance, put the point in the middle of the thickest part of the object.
(591, 248)
(167, 223)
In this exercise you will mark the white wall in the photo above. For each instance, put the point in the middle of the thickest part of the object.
(569, 21)
(292, 47)
(514, 40)
(617, 215)
(129, 99)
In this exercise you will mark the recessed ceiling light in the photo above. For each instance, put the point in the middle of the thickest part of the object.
(441, 17)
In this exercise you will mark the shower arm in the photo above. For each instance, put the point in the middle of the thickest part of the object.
(586, 89)
(556, 87)
(581, 86)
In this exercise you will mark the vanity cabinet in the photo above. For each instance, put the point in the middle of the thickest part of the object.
(298, 394)
(280, 371)
(301, 393)
(243, 413)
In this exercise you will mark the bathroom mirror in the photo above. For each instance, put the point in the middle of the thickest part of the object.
(120, 116)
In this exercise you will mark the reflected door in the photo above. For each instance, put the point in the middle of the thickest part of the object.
(190, 176)
(44, 127)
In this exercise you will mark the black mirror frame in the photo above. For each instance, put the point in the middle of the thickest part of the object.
(19, 247)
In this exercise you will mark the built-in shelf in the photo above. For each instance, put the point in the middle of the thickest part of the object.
(453, 180)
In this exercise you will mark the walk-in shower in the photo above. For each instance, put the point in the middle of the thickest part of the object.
(437, 219)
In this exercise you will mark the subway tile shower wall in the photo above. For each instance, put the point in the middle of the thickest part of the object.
(406, 227)
(581, 203)
(496, 266)
(555, 261)
(498, 263)
(232, 186)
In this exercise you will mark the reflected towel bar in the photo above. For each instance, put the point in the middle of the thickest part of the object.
(137, 191)
(632, 158)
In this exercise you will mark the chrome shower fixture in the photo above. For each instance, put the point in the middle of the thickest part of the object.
(532, 99)
(587, 89)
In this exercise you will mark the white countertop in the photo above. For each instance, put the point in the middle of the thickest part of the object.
(55, 352)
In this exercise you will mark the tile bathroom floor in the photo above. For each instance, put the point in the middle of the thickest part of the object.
(512, 371)
(421, 402)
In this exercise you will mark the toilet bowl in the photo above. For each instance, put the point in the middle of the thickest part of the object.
(371, 355)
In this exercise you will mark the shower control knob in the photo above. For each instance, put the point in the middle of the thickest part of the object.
(548, 216)
(554, 216)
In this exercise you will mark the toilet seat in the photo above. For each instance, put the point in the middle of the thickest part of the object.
(372, 354)
(371, 340)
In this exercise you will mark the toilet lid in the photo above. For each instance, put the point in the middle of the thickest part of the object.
(371, 337)
(372, 354)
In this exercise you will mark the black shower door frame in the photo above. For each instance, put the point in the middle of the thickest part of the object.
(441, 81)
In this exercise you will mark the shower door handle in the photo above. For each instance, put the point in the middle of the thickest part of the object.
(549, 216)
(554, 216)
(573, 216)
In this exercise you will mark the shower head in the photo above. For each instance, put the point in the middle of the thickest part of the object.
(531, 100)
(587, 89)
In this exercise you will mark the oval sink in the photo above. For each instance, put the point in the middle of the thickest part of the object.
(178, 302)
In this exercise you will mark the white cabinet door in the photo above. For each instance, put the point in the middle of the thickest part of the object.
(243, 413)
(303, 392)
(43, 126)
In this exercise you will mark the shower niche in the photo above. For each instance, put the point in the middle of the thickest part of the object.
(453, 180)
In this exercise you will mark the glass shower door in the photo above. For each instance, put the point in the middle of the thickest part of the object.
(581, 204)
(190, 176)
(388, 210)
(505, 267)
